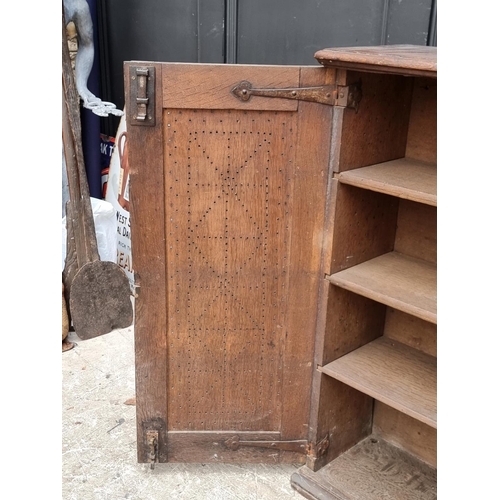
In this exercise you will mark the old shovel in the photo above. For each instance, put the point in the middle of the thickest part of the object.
(98, 291)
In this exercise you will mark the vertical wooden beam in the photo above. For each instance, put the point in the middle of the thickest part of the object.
(310, 189)
(147, 184)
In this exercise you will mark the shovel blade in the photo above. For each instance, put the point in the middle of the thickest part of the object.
(100, 300)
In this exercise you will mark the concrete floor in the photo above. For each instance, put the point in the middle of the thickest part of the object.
(99, 459)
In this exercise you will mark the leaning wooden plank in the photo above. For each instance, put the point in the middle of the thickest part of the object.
(373, 469)
(393, 373)
(396, 280)
(405, 178)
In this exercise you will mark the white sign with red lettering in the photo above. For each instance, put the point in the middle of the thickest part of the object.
(117, 195)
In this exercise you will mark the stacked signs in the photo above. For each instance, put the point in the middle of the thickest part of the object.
(117, 195)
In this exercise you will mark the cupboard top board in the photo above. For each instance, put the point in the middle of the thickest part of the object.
(410, 60)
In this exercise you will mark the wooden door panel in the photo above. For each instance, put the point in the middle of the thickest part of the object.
(239, 209)
(227, 228)
(208, 86)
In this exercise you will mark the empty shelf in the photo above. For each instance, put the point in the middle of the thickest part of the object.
(405, 283)
(405, 178)
(372, 469)
(393, 373)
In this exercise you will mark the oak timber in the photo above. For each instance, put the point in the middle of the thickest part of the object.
(378, 131)
(399, 376)
(311, 179)
(410, 330)
(148, 247)
(396, 280)
(205, 86)
(398, 59)
(371, 470)
(405, 178)
(405, 432)
(368, 234)
(416, 234)
(421, 143)
(237, 246)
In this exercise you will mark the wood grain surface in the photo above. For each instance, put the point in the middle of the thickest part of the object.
(405, 178)
(378, 131)
(364, 226)
(416, 235)
(393, 373)
(373, 469)
(396, 280)
(311, 181)
(398, 59)
(422, 128)
(411, 331)
(147, 219)
(205, 86)
(244, 195)
(405, 432)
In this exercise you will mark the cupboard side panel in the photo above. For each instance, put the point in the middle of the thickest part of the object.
(422, 131)
(416, 234)
(310, 178)
(410, 330)
(378, 131)
(364, 226)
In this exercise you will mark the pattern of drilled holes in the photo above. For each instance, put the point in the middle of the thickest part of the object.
(228, 238)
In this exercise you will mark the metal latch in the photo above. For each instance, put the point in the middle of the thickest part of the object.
(347, 96)
(142, 95)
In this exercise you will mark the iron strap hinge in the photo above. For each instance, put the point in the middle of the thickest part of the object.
(297, 446)
(142, 95)
(347, 96)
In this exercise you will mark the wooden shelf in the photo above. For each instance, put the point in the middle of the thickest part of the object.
(370, 470)
(405, 178)
(396, 280)
(393, 373)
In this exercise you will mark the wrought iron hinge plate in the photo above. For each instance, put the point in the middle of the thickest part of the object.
(142, 95)
(322, 446)
(299, 446)
(347, 96)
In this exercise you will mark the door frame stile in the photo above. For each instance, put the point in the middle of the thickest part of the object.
(150, 326)
(323, 287)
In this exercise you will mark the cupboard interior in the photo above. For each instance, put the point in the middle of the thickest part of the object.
(376, 356)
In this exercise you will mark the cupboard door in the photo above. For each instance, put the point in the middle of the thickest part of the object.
(228, 203)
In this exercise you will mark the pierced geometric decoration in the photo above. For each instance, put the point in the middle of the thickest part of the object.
(228, 184)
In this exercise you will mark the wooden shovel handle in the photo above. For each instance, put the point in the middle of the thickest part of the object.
(81, 208)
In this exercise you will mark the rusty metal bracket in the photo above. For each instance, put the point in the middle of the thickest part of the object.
(152, 444)
(142, 95)
(322, 446)
(331, 95)
(325, 94)
(298, 446)
(349, 96)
